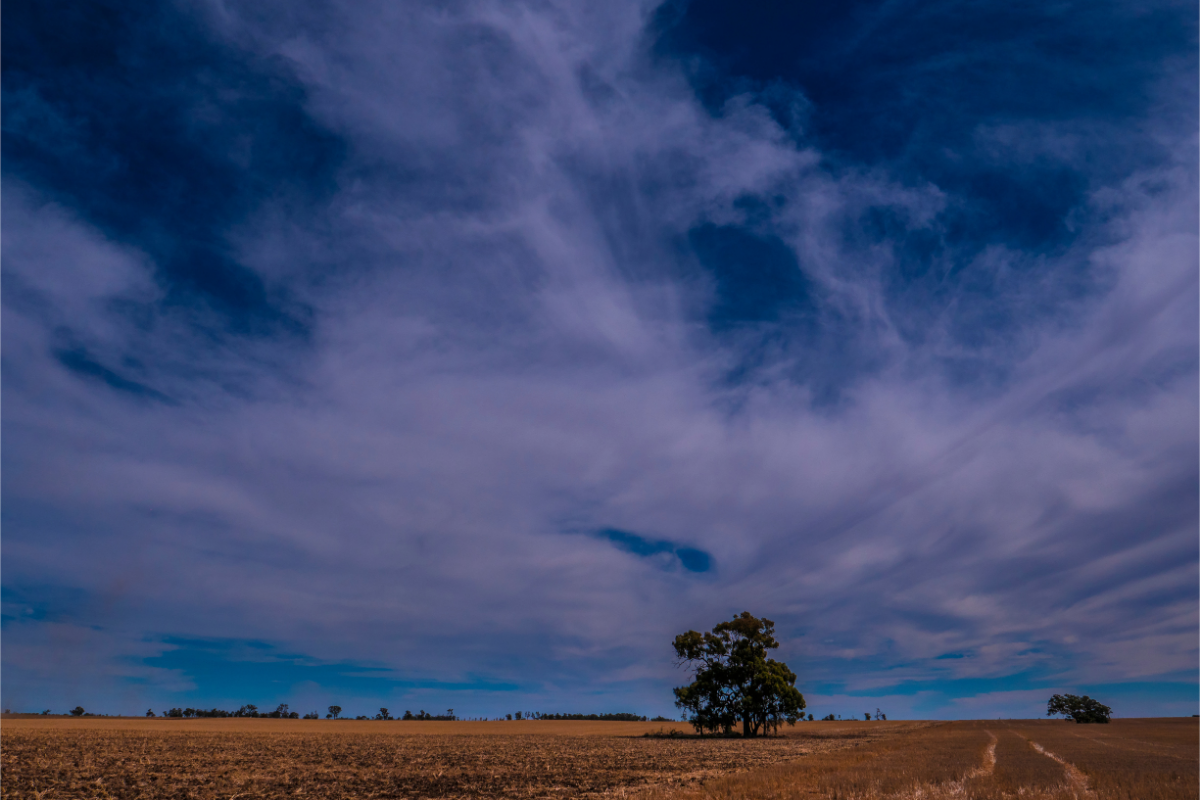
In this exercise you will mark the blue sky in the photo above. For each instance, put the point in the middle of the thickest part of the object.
(460, 355)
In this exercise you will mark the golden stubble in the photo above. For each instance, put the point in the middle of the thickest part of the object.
(105, 757)
(981, 760)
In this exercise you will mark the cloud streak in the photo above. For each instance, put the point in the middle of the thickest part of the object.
(535, 280)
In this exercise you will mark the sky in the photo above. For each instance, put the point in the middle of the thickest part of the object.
(458, 355)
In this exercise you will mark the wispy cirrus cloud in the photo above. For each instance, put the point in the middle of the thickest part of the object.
(429, 291)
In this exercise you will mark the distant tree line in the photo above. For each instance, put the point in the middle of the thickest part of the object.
(879, 715)
(618, 717)
(423, 715)
(249, 710)
(283, 711)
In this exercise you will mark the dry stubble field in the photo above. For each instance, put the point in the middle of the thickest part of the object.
(1031, 760)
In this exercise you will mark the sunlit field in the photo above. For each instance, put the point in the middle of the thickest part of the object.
(211, 758)
(986, 760)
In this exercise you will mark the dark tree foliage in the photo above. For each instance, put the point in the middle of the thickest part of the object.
(734, 680)
(426, 716)
(1080, 709)
(77, 711)
(220, 713)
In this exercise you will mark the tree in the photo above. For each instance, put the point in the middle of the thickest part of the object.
(77, 711)
(1080, 709)
(734, 680)
(334, 711)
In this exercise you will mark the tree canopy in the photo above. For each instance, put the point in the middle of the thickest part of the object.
(734, 680)
(1080, 709)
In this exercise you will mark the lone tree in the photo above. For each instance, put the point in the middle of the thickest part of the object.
(1080, 709)
(333, 712)
(735, 680)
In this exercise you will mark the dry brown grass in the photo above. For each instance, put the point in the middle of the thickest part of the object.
(65, 758)
(982, 760)
(1129, 759)
(15, 722)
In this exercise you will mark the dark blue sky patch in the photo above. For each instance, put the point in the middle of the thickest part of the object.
(918, 87)
(33, 602)
(164, 139)
(250, 671)
(694, 560)
(81, 363)
(891, 78)
(757, 277)
(690, 558)
(962, 687)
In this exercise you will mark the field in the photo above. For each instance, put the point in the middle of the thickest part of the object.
(1031, 760)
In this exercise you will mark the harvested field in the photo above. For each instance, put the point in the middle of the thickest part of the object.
(65, 758)
(983, 760)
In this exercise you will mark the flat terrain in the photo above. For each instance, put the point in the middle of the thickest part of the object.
(985, 760)
(1032, 760)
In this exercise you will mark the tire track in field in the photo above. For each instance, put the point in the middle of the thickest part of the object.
(1077, 780)
(958, 788)
(989, 760)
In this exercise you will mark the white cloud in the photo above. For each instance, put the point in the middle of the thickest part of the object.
(508, 349)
